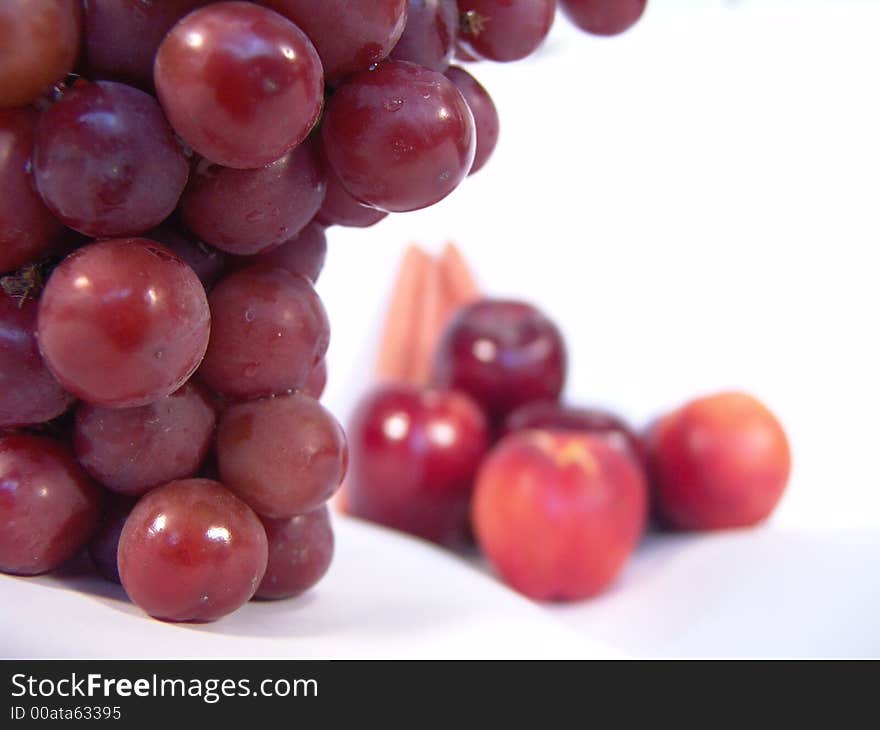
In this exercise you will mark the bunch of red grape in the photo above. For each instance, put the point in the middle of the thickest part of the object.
(167, 170)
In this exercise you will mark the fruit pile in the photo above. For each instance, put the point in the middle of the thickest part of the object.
(167, 172)
(469, 439)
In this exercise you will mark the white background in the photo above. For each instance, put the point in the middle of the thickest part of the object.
(696, 204)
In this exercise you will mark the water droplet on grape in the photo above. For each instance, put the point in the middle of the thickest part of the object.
(249, 315)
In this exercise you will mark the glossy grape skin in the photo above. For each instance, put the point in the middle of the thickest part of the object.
(554, 416)
(132, 450)
(191, 551)
(207, 262)
(304, 254)
(720, 461)
(29, 394)
(269, 330)
(240, 84)
(300, 552)
(317, 381)
(103, 547)
(106, 163)
(49, 508)
(430, 34)
(39, 43)
(350, 35)
(284, 456)
(503, 353)
(603, 17)
(123, 322)
(246, 212)
(506, 30)
(123, 36)
(485, 114)
(400, 138)
(27, 227)
(414, 454)
(340, 209)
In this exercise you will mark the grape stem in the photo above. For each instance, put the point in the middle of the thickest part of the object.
(472, 23)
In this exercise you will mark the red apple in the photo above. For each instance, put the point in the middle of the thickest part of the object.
(413, 456)
(718, 462)
(558, 513)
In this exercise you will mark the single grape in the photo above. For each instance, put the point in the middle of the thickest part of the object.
(284, 456)
(400, 138)
(29, 394)
(503, 353)
(269, 330)
(39, 43)
(27, 227)
(350, 35)
(123, 36)
(317, 381)
(300, 552)
(340, 209)
(49, 508)
(484, 111)
(603, 17)
(106, 162)
(504, 30)
(246, 212)
(430, 34)
(304, 254)
(123, 322)
(104, 545)
(208, 263)
(132, 450)
(552, 415)
(191, 551)
(240, 84)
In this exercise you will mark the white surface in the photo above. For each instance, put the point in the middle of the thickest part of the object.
(386, 596)
(696, 204)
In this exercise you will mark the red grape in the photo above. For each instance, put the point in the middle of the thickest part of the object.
(246, 212)
(123, 322)
(350, 35)
(27, 228)
(484, 111)
(49, 508)
(317, 381)
(300, 551)
(240, 84)
(400, 138)
(303, 254)
(104, 545)
(340, 209)
(283, 456)
(191, 551)
(132, 450)
(106, 162)
(29, 394)
(39, 43)
(504, 353)
(123, 36)
(603, 17)
(553, 416)
(505, 30)
(430, 34)
(269, 330)
(414, 454)
(208, 263)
